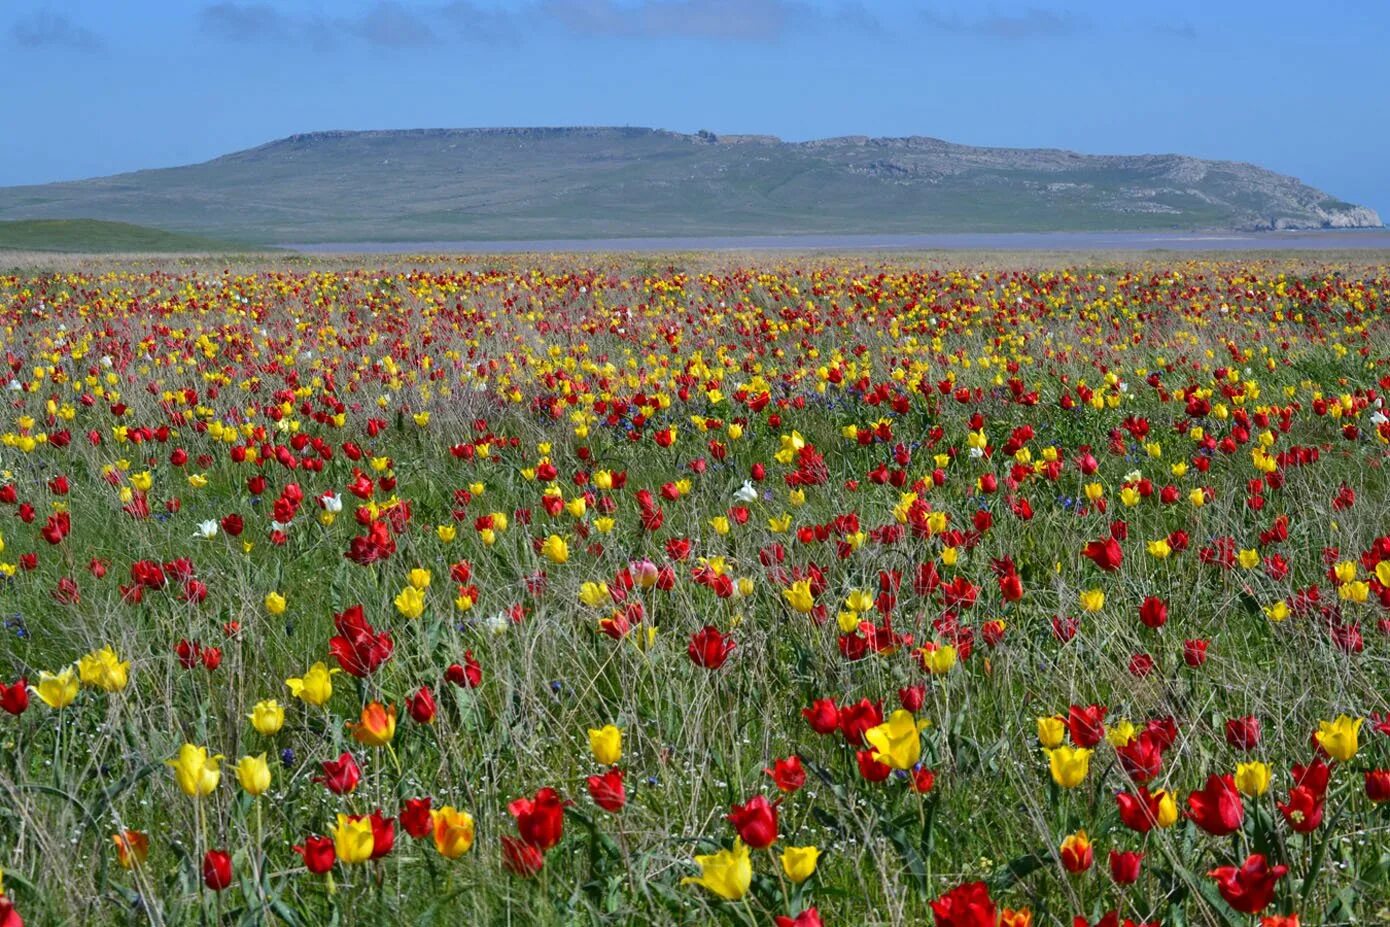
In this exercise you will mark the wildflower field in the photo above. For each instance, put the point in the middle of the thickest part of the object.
(804, 591)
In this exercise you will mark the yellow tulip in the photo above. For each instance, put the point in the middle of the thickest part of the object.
(555, 549)
(1092, 600)
(606, 744)
(1051, 732)
(799, 863)
(1167, 809)
(102, 669)
(897, 742)
(1339, 737)
(1252, 778)
(727, 873)
(254, 774)
(274, 603)
(1069, 765)
(196, 773)
(938, 660)
(56, 690)
(592, 593)
(315, 687)
(453, 832)
(267, 717)
(419, 578)
(410, 602)
(353, 841)
(798, 596)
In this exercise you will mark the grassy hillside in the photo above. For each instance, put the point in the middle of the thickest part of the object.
(95, 235)
(464, 184)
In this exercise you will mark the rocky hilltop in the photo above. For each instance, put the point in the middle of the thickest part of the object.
(592, 182)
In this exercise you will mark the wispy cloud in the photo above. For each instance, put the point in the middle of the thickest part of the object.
(49, 29)
(1033, 22)
(386, 24)
(744, 20)
(391, 24)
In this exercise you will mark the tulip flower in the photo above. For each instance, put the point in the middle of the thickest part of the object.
(520, 858)
(541, 819)
(606, 744)
(318, 853)
(727, 873)
(799, 863)
(1252, 778)
(1124, 866)
(217, 870)
(453, 832)
(196, 773)
(1051, 732)
(1069, 765)
(102, 669)
(607, 790)
(352, 838)
(1339, 737)
(340, 776)
(709, 647)
(132, 847)
(377, 726)
(254, 774)
(315, 687)
(274, 603)
(787, 774)
(1248, 888)
(56, 690)
(1217, 808)
(897, 742)
(1076, 853)
(966, 905)
(756, 822)
(267, 717)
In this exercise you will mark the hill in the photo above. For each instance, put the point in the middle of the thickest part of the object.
(477, 184)
(95, 235)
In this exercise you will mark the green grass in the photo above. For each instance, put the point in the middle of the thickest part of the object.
(97, 236)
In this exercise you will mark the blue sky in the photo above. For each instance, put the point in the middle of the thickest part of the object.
(92, 87)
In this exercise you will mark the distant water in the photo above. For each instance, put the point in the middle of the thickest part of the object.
(1330, 240)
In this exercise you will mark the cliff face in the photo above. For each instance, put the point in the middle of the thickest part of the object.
(590, 182)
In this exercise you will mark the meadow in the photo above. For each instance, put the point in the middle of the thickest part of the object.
(787, 590)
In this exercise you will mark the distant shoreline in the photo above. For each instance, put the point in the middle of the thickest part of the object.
(1305, 240)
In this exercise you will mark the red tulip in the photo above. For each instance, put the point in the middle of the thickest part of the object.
(710, 648)
(823, 716)
(1249, 888)
(14, 698)
(421, 706)
(520, 858)
(217, 870)
(1153, 612)
(756, 822)
(966, 905)
(1124, 866)
(1378, 785)
(788, 774)
(540, 820)
(1217, 808)
(1086, 725)
(340, 776)
(416, 819)
(318, 854)
(607, 790)
(1243, 733)
(1106, 554)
